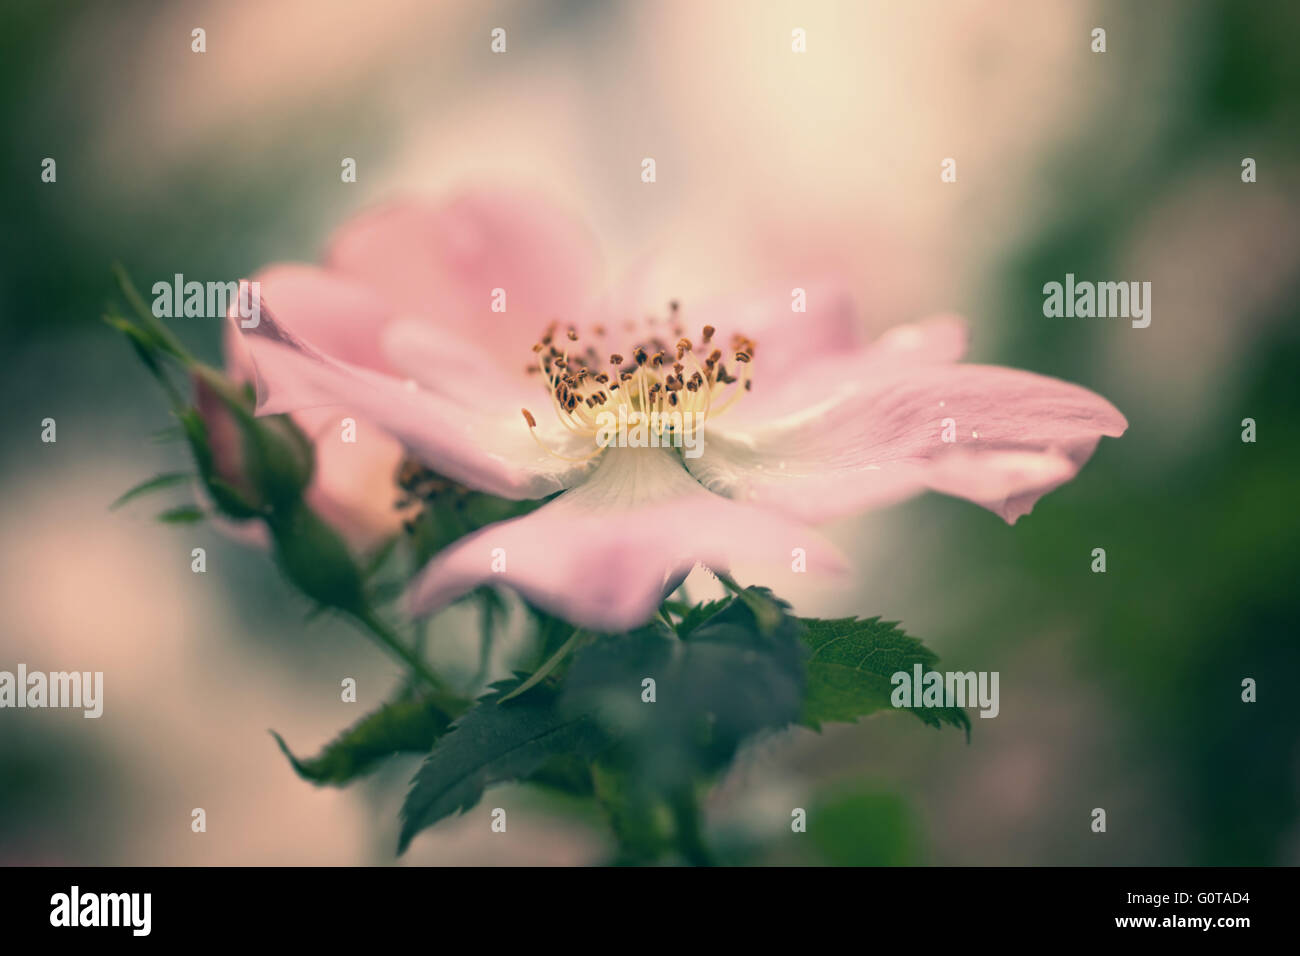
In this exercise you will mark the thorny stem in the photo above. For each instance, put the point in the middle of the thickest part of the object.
(385, 637)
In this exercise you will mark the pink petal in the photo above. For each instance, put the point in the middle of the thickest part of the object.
(822, 377)
(481, 447)
(338, 316)
(442, 362)
(354, 487)
(443, 261)
(603, 554)
(784, 339)
(1018, 436)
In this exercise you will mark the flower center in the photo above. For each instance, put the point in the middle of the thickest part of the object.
(668, 389)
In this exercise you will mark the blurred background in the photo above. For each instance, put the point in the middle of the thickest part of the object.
(1119, 690)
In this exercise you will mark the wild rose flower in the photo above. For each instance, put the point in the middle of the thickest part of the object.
(352, 485)
(799, 420)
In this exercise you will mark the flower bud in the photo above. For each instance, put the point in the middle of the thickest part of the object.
(250, 466)
(314, 557)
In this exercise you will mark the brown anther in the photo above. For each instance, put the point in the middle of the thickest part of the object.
(640, 355)
(742, 356)
(674, 305)
(528, 417)
(683, 345)
(573, 335)
(538, 347)
(672, 398)
(657, 360)
(708, 333)
(616, 359)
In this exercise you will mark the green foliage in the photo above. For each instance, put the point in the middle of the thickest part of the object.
(182, 514)
(864, 826)
(494, 743)
(582, 722)
(315, 558)
(157, 483)
(409, 724)
(850, 668)
(719, 683)
(694, 615)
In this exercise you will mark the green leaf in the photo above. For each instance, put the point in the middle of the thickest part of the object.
(568, 647)
(156, 483)
(564, 773)
(160, 336)
(146, 348)
(719, 683)
(850, 669)
(185, 514)
(694, 615)
(639, 825)
(409, 724)
(169, 434)
(490, 744)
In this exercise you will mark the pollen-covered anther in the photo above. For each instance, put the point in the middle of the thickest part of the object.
(645, 389)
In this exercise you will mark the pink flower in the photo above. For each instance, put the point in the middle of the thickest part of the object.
(352, 487)
(803, 421)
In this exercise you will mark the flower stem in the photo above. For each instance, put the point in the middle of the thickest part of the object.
(686, 817)
(387, 639)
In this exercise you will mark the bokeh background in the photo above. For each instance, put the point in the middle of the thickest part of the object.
(1119, 691)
